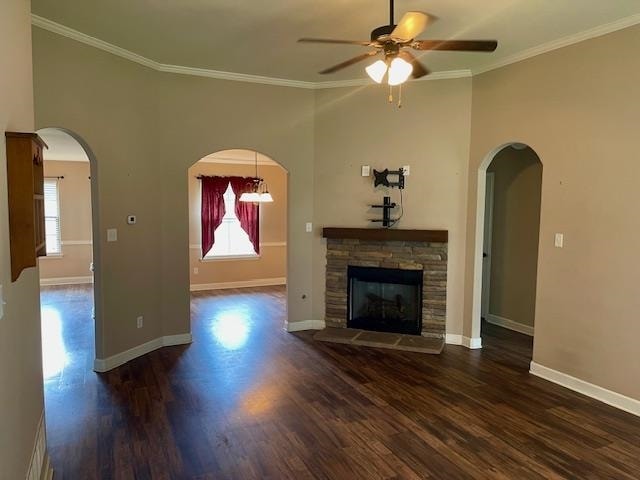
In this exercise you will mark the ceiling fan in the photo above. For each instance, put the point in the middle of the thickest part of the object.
(394, 43)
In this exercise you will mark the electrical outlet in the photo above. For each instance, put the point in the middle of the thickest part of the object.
(406, 170)
(366, 170)
(196, 270)
(140, 322)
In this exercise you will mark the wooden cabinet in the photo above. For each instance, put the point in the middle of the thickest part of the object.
(25, 181)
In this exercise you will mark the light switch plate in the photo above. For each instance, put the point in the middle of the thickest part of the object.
(308, 227)
(131, 219)
(366, 170)
(406, 170)
(112, 235)
(559, 240)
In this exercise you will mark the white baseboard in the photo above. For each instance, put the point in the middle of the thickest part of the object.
(510, 324)
(66, 280)
(453, 339)
(106, 364)
(39, 467)
(471, 343)
(304, 325)
(260, 282)
(614, 399)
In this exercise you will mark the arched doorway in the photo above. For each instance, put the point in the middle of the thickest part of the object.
(239, 260)
(74, 263)
(507, 239)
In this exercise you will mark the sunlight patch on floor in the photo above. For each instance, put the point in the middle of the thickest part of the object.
(231, 329)
(55, 356)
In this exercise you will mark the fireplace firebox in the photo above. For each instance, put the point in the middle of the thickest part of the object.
(384, 299)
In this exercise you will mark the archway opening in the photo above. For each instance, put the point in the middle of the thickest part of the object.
(507, 241)
(241, 261)
(69, 295)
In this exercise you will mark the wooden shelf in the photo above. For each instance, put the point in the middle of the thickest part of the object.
(387, 234)
(25, 181)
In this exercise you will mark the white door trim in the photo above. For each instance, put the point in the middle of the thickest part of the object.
(476, 310)
(487, 244)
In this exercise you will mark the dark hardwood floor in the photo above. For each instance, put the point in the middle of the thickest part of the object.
(247, 400)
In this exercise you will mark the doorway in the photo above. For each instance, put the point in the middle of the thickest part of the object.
(507, 243)
(247, 256)
(66, 272)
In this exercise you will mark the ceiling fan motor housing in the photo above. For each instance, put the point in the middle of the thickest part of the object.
(382, 31)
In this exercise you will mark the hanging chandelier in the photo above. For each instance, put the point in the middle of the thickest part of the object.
(259, 192)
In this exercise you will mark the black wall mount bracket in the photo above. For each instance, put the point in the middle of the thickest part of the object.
(382, 178)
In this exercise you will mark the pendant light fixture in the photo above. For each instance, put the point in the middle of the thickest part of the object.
(259, 192)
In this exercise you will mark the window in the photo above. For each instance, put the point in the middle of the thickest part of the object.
(230, 238)
(52, 216)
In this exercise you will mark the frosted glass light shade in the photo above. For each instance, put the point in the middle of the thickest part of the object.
(376, 71)
(250, 197)
(265, 198)
(399, 71)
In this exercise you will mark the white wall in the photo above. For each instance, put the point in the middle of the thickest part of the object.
(21, 397)
(146, 129)
(430, 133)
(577, 107)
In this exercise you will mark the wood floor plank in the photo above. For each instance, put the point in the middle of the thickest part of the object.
(248, 401)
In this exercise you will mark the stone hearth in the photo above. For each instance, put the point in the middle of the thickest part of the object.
(428, 256)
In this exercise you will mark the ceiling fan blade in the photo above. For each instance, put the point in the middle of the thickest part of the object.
(330, 40)
(419, 70)
(456, 45)
(411, 25)
(349, 62)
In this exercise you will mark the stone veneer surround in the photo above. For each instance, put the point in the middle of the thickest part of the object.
(429, 257)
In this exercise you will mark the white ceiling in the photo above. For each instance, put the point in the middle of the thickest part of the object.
(259, 38)
(62, 146)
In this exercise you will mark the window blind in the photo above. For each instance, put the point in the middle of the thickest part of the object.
(52, 216)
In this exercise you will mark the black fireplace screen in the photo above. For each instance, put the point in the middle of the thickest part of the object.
(385, 299)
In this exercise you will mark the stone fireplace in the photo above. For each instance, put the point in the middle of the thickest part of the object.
(387, 280)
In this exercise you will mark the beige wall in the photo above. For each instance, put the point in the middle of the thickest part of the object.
(145, 129)
(21, 398)
(516, 223)
(578, 109)
(357, 126)
(74, 192)
(272, 263)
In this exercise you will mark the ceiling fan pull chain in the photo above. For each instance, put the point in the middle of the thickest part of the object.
(390, 94)
(400, 96)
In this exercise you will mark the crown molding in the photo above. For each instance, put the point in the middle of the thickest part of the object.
(562, 42)
(54, 27)
(68, 32)
(65, 31)
(235, 77)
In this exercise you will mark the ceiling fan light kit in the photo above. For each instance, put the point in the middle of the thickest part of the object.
(398, 71)
(394, 41)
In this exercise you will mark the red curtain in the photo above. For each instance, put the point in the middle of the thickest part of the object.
(212, 208)
(247, 212)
